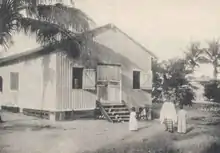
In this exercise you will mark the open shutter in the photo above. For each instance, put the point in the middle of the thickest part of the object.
(89, 79)
(146, 80)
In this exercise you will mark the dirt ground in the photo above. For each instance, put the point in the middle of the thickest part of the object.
(24, 134)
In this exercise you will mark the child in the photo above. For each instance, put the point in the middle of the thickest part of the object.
(133, 125)
(181, 120)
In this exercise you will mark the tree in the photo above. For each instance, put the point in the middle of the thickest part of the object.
(157, 71)
(55, 26)
(52, 24)
(177, 83)
(174, 81)
(211, 55)
(193, 55)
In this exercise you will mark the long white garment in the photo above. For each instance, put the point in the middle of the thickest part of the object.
(168, 111)
(182, 121)
(133, 124)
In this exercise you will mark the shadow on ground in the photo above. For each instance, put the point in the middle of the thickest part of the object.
(22, 127)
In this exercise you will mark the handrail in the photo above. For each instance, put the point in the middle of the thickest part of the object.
(103, 111)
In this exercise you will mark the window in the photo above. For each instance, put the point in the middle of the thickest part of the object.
(77, 78)
(1, 84)
(136, 79)
(14, 80)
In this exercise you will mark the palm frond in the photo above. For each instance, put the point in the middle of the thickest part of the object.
(49, 34)
(193, 54)
(44, 29)
(214, 49)
(9, 16)
(66, 16)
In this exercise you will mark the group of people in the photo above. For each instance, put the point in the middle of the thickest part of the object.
(168, 116)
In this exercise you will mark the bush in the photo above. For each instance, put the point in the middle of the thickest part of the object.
(212, 91)
(186, 97)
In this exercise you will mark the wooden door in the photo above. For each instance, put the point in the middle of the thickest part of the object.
(109, 83)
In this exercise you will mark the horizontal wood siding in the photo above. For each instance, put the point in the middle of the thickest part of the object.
(68, 98)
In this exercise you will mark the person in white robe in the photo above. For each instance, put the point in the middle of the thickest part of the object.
(182, 115)
(133, 123)
(168, 116)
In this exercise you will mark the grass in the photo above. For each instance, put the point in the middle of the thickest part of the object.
(141, 147)
(213, 148)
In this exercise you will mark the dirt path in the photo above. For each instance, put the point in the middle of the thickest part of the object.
(23, 134)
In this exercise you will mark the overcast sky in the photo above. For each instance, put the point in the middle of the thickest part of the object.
(165, 27)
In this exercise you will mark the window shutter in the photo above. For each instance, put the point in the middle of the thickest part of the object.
(89, 79)
(146, 80)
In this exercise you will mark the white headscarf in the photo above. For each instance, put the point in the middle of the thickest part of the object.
(168, 111)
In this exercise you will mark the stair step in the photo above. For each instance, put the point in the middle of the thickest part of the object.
(117, 109)
(119, 113)
(119, 116)
(123, 120)
(113, 105)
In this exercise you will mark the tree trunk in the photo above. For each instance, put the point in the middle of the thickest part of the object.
(1, 119)
(215, 72)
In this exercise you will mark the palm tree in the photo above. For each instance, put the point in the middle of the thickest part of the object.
(192, 56)
(52, 24)
(212, 55)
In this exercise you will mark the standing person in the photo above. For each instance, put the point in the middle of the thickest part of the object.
(133, 124)
(168, 116)
(182, 114)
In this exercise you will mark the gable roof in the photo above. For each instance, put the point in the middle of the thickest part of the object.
(107, 27)
(27, 55)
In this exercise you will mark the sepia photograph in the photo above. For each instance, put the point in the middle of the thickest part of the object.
(109, 76)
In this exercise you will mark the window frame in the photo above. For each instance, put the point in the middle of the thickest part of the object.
(139, 86)
(11, 89)
(1, 84)
(73, 84)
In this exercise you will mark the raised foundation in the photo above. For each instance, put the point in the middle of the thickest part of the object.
(11, 109)
(53, 116)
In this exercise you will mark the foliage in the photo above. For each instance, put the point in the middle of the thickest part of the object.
(193, 55)
(157, 72)
(170, 79)
(54, 24)
(211, 55)
(212, 90)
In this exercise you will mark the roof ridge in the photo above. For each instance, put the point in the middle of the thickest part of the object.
(106, 27)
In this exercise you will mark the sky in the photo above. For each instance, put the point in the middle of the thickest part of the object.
(165, 27)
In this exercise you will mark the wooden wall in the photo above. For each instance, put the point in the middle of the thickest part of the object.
(113, 47)
(68, 98)
(37, 82)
